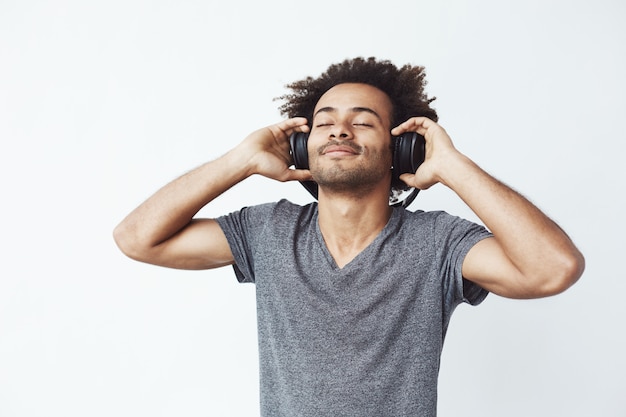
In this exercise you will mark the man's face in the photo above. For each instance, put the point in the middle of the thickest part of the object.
(349, 143)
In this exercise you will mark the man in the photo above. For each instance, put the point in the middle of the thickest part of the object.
(354, 296)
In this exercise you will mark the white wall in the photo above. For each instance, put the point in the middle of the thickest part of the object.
(101, 103)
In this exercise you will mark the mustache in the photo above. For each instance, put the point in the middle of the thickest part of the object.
(346, 143)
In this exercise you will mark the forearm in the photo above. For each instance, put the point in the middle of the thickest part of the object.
(161, 230)
(172, 207)
(536, 246)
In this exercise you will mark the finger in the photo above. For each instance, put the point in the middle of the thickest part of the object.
(411, 181)
(407, 179)
(297, 175)
(414, 124)
(295, 124)
(407, 125)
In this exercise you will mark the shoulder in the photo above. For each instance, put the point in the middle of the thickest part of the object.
(281, 206)
(283, 211)
(439, 226)
(279, 212)
(287, 207)
(425, 218)
(435, 217)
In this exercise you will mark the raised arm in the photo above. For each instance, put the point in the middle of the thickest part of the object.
(529, 256)
(163, 230)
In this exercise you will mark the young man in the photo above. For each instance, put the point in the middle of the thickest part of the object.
(354, 296)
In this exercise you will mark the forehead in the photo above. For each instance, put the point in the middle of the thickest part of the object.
(353, 95)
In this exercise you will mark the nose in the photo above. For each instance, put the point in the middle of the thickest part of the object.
(340, 131)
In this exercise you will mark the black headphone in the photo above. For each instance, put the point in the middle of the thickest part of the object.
(408, 154)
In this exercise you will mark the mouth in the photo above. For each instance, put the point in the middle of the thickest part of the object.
(339, 149)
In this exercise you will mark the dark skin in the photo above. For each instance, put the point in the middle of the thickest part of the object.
(528, 257)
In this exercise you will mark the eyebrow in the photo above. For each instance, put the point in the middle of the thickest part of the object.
(352, 110)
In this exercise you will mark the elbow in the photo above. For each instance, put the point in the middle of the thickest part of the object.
(126, 241)
(567, 272)
(121, 239)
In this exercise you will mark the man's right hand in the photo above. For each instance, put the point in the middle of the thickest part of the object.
(266, 151)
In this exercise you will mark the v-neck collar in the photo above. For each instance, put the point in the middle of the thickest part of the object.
(393, 219)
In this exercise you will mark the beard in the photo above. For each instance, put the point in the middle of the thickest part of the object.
(350, 176)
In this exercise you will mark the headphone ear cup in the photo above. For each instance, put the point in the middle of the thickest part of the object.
(409, 153)
(300, 154)
(299, 151)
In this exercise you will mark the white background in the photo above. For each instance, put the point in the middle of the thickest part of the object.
(101, 103)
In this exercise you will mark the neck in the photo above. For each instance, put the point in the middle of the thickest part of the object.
(349, 224)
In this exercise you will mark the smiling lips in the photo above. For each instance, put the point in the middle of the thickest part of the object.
(345, 148)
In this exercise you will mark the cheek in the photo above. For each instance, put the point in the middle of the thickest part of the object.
(385, 154)
(314, 145)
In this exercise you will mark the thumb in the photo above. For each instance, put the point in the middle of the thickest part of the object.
(412, 180)
(408, 179)
(298, 175)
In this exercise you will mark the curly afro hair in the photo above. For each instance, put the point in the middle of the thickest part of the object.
(404, 86)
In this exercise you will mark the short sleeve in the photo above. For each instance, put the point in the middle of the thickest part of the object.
(244, 230)
(456, 237)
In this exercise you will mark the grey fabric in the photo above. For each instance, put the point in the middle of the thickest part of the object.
(362, 340)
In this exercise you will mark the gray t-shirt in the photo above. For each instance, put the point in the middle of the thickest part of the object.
(362, 340)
